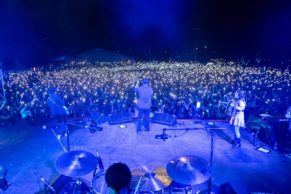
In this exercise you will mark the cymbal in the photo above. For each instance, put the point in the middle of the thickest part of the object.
(188, 170)
(76, 163)
(150, 179)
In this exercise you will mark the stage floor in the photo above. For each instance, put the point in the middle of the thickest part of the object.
(29, 152)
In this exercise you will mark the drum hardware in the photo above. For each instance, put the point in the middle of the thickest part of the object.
(48, 185)
(147, 179)
(178, 187)
(100, 165)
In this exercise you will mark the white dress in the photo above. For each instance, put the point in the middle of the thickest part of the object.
(238, 118)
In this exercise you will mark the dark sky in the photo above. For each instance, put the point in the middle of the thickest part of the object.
(35, 31)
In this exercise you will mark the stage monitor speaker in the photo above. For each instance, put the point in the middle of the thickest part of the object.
(119, 118)
(164, 118)
(100, 118)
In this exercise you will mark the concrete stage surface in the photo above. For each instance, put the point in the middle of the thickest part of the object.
(29, 151)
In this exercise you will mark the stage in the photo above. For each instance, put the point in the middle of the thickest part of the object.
(30, 151)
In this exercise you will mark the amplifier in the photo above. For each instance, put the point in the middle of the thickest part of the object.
(164, 118)
(119, 118)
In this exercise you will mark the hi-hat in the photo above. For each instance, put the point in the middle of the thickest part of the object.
(76, 163)
(149, 179)
(188, 170)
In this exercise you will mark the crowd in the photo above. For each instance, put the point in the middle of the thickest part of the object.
(184, 89)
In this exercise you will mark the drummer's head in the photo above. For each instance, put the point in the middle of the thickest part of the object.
(118, 176)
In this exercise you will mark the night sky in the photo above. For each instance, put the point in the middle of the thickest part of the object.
(35, 31)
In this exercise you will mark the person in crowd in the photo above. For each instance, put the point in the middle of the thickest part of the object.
(6, 115)
(288, 116)
(144, 103)
(237, 120)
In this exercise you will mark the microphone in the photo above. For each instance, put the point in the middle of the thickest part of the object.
(164, 136)
(47, 184)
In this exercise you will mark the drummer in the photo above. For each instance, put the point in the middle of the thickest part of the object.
(118, 177)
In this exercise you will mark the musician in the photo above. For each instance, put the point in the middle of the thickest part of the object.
(237, 119)
(56, 105)
(118, 177)
(144, 103)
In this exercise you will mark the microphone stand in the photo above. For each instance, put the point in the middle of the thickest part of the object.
(58, 139)
(211, 158)
(68, 138)
(67, 134)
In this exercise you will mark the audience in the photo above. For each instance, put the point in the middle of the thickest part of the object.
(184, 89)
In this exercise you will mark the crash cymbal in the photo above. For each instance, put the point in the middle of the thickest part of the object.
(150, 179)
(76, 163)
(188, 170)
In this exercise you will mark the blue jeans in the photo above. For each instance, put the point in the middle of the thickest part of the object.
(143, 119)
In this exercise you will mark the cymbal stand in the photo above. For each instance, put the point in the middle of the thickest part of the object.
(100, 165)
(67, 135)
(136, 189)
(211, 130)
(58, 137)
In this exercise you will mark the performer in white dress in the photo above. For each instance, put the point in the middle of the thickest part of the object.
(238, 118)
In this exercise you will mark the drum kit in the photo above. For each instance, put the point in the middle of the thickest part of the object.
(186, 172)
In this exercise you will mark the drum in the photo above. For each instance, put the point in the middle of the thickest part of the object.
(74, 187)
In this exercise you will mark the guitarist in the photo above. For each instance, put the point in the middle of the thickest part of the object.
(56, 105)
